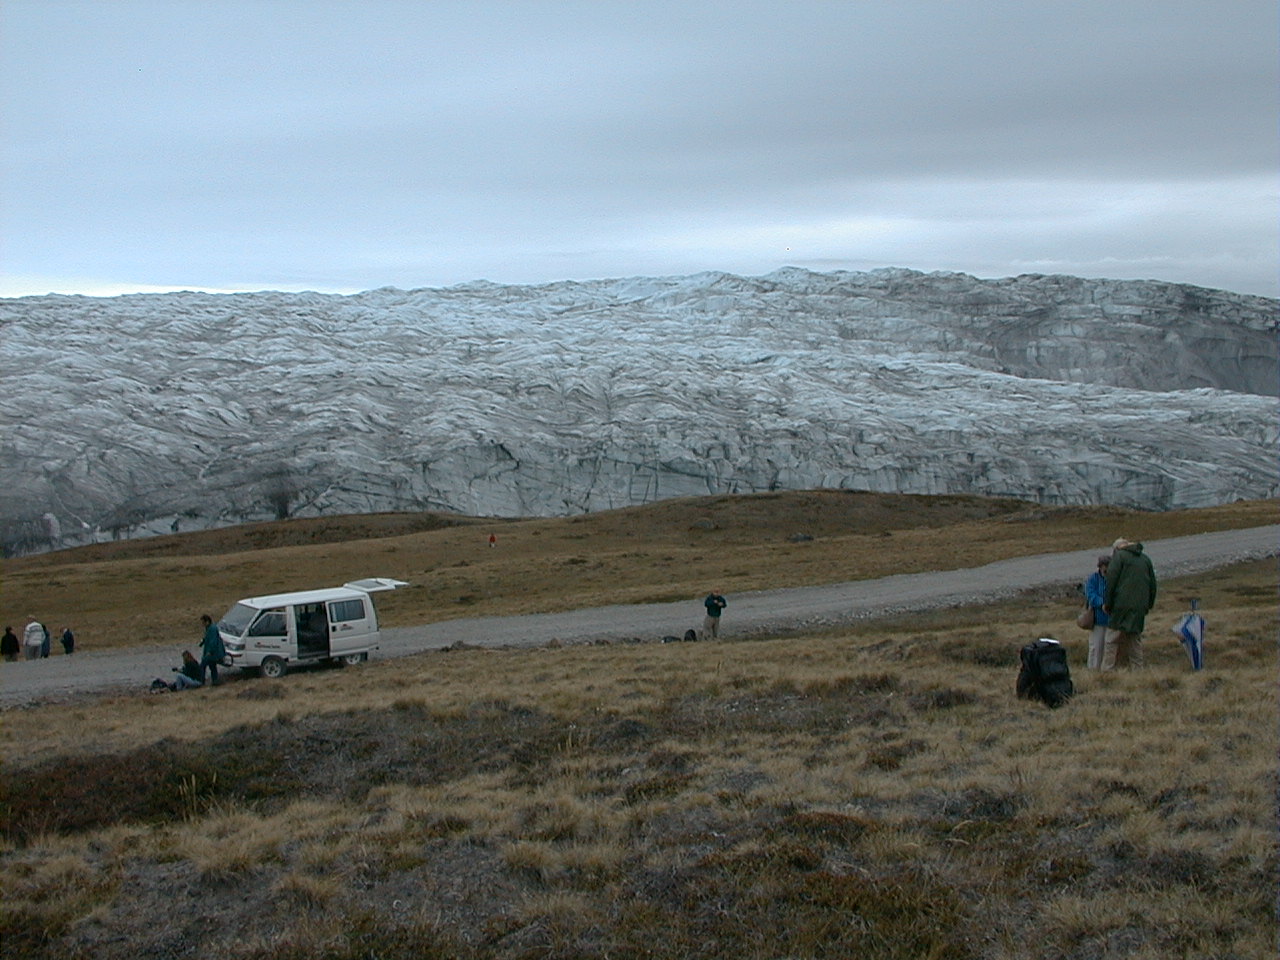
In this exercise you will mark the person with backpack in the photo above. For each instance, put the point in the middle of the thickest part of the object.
(1129, 597)
(187, 677)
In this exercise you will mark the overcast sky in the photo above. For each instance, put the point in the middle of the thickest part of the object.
(341, 145)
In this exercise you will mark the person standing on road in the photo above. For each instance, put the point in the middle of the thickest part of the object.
(33, 638)
(9, 645)
(715, 605)
(44, 643)
(212, 652)
(68, 641)
(1095, 591)
(1129, 597)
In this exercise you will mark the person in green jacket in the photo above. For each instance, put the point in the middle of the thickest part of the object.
(1130, 595)
(212, 652)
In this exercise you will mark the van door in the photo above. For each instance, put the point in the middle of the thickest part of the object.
(351, 625)
(313, 630)
(268, 634)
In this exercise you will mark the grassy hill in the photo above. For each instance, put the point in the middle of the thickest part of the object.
(875, 791)
(154, 590)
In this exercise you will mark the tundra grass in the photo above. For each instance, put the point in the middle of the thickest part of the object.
(154, 591)
(874, 791)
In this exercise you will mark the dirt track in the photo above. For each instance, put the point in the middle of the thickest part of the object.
(768, 611)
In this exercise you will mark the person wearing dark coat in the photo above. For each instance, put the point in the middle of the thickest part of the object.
(714, 605)
(68, 641)
(190, 675)
(1129, 597)
(9, 645)
(212, 652)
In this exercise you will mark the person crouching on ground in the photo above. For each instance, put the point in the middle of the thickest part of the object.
(190, 675)
(212, 652)
(1130, 595)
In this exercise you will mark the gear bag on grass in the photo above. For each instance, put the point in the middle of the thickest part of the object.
(1045, 675)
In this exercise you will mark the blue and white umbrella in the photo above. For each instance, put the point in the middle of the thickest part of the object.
(1190, 630)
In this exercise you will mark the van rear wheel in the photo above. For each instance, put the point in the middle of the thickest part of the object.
(273, 668)
(353, 659)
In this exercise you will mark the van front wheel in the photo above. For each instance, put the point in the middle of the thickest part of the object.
(352, 659)
(273, 668)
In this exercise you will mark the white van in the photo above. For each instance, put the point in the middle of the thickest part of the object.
(337, 623)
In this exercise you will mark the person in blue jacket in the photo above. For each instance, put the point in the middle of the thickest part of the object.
(212, 652)
(1095, 592)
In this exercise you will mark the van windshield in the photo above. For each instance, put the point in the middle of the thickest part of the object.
(237, 620)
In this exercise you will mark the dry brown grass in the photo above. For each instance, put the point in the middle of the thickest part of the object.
(875, 791)
(154, 590)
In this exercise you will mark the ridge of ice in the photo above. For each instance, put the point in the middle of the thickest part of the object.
(134, 414)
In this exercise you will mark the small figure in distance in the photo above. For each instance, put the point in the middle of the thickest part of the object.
(493, 539)
(32, 638)
(68, 641)
(212, 652)
(9, 645)
(715, 605)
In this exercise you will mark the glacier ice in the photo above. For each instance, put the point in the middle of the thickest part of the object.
(151, 412)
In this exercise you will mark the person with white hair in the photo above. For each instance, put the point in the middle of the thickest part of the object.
(33, 638)
(1129, 597)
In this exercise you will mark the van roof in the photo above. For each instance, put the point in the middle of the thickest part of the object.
(304, 596)
(355, 590)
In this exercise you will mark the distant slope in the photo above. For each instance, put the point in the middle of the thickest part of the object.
(767, 515)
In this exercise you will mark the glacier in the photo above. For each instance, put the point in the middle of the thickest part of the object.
(141, 414)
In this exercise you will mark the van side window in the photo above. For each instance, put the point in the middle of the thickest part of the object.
(270, 623)
(341, 610)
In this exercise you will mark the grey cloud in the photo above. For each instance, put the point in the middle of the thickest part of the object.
(531, 130)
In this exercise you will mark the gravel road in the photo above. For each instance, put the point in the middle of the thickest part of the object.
(62, 678)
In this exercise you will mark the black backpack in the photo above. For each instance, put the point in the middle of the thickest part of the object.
(1045, 675)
